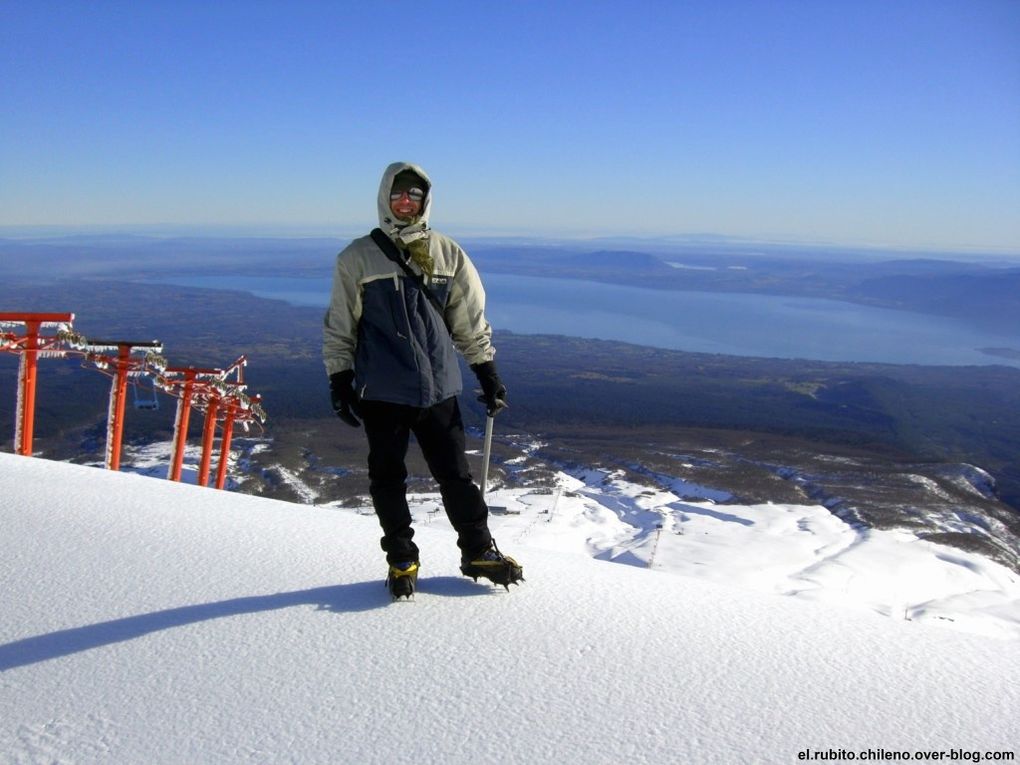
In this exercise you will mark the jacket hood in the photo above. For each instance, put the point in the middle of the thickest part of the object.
(388, 222)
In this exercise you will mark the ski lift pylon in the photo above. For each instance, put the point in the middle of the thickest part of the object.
(125, 366)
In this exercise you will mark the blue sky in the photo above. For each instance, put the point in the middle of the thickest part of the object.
(885, 123)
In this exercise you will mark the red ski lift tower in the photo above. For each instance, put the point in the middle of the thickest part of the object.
(217, 393)
(211, 392)
(124, 366)
(31, 344)
(239, 409)
(186, 383)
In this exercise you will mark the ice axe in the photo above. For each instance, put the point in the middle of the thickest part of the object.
(486, 455)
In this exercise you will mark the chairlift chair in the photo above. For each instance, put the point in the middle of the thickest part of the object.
(147, 402)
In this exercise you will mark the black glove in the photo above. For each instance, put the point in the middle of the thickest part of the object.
(493, 389)
(345, 399)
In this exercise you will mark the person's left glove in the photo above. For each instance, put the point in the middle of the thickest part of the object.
(493, 389)
(345, 399)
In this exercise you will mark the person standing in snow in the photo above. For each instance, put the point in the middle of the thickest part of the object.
(404, 300)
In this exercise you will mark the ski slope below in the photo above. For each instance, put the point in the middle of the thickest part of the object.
(143, 621)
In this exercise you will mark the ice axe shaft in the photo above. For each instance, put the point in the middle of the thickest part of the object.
(486, 456)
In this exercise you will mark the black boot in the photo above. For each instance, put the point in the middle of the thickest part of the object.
(402, 579)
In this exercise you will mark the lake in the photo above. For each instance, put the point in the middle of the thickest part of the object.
(706, 322)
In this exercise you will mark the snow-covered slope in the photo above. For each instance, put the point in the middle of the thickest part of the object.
(143, 621)
(673, 525)
(798, 550)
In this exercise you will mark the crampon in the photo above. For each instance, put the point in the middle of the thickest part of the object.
(491, 564)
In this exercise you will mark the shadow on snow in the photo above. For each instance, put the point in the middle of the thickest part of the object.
(341, 598)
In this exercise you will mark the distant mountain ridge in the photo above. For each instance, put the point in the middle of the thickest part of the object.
(983, 293)
(990, 297)
(602, 260)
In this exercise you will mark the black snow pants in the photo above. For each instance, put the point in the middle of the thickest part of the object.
(439, 431)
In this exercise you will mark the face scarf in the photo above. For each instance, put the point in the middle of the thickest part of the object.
(413, 236)
(415, 239)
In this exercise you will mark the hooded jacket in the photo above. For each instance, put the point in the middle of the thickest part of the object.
(381, 325)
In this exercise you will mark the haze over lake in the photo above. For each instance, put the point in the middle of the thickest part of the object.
(706, 322)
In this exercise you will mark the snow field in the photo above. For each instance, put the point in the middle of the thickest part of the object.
(146, 621)
(799, 550)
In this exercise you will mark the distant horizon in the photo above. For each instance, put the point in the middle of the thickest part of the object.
(475, 234)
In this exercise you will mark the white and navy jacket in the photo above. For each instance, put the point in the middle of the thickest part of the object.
(381, 325)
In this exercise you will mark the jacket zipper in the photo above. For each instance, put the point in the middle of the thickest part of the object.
(407, 320)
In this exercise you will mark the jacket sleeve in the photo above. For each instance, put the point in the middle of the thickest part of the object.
(340, 325)
(465, 313)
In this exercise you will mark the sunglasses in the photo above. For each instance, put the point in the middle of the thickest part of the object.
(415, 195)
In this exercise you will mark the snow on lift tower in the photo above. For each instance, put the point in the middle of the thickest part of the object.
(31, 345)
(122, 367)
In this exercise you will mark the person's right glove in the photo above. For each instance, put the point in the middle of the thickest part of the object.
(345, 399)
(493, 389)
